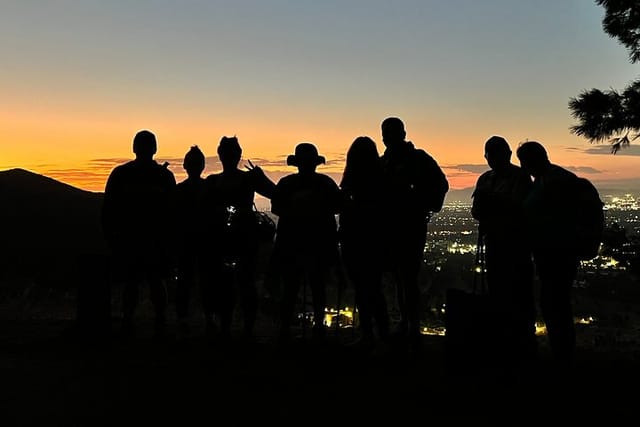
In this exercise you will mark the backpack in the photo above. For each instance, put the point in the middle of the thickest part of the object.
(415, 179)
(590, 220)
(434, 183)
(439, 188)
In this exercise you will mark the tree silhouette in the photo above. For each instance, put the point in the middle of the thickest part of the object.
(610, 114)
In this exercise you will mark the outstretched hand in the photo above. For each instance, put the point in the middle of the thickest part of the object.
(253, 168)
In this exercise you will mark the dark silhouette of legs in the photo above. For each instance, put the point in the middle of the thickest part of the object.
(130, 297)
(158, 294)
(210, 294)
(188, 278)
(291, 285)
(319, 299)
(247, 290)
(557, 273)
(226, 296)
(405, 258)
(510, 282)
(370, 301)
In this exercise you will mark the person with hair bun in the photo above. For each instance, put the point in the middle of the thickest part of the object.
(189, 230)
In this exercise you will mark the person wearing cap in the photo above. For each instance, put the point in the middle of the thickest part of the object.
(136, 221)
(306, 244)
(498, 206)
(234, 236)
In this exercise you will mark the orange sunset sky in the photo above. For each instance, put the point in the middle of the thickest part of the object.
(79, 79)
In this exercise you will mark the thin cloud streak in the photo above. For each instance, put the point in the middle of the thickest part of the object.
(469, 167)
(605, 149)
(583, 169)
(94, 175)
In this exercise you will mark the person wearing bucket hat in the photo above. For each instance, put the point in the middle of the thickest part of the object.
(306, 156)
(306, 244)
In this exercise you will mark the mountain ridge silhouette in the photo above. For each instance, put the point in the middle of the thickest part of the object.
(46, 226)
(37, 182)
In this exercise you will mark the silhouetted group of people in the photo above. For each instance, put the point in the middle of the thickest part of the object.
(373, 223)
(529, 227)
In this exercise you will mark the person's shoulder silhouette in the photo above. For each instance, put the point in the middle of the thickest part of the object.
(138, 191)
(137, 222)
(307, 192)
(414, 177)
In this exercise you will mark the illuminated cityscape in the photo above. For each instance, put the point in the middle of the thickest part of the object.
(601, 283)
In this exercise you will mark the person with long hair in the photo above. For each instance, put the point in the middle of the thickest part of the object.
(362, 237)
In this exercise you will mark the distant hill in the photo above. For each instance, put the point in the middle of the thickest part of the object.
(45, 224)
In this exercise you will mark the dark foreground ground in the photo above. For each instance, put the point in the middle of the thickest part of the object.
(48, 377)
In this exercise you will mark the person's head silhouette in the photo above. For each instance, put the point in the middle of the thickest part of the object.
(533, 158)
(393, 132)
(229, 152)
(497, 152)
(306, 158)
(144, 145)
(194, 162)
(363, 153)
(363, 160)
